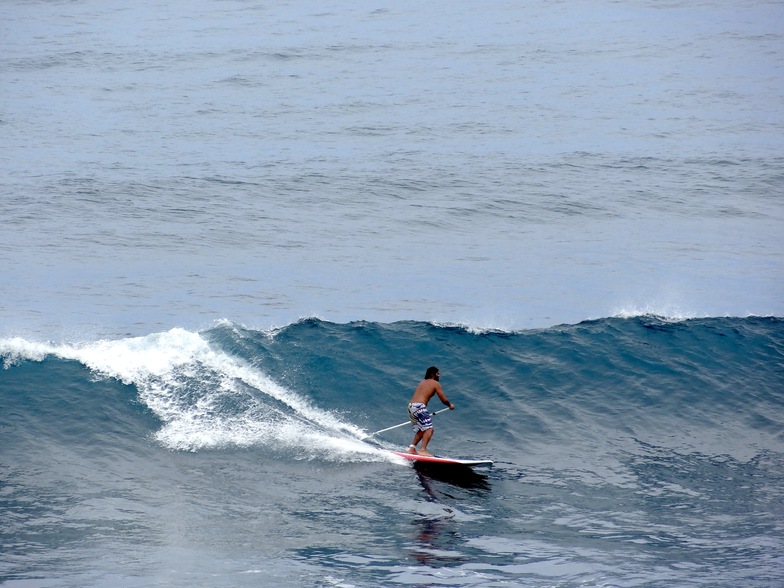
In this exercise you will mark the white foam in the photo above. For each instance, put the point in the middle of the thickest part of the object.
(207, 398)
(16, 349)
(475, 328)
(664, 311)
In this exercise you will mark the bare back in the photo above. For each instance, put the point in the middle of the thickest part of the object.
(425, 391)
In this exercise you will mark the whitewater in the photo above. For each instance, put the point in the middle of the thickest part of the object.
(233, 236)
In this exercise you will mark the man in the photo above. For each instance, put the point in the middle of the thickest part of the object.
(417, 409)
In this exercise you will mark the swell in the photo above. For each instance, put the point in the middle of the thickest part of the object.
(638, 376)
(314, 389)
(60, 402)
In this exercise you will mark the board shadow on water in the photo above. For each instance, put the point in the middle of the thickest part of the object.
(457, 475)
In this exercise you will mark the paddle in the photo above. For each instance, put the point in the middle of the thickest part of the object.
(400, 425)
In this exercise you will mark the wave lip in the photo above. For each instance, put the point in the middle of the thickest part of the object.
(664, 312)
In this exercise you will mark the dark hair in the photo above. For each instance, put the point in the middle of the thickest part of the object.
(431, 371)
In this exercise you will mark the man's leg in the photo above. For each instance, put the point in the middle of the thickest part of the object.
(417, 439)
(426, 436)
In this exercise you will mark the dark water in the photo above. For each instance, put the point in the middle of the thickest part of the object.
(628, 452)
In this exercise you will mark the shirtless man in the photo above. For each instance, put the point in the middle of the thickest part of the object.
(417, 409)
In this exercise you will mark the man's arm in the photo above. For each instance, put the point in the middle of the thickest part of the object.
(442, 397)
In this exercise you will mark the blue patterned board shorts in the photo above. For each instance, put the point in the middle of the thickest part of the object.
(419, 416)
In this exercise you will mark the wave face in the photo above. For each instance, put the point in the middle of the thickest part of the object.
(626, 448)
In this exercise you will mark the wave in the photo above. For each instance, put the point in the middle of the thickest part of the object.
(203, 397)
(314, 389)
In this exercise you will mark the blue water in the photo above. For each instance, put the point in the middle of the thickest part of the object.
(233, 235)
(628, 452)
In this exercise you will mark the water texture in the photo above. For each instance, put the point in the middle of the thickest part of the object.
(509, 166)
(627, 452)
(233, 235)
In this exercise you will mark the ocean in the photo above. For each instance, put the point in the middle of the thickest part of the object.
(234, 234)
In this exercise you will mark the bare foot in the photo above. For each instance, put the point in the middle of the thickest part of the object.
(413, 450)
(425, 453)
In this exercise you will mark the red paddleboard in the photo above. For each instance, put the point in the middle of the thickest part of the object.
(442, 460)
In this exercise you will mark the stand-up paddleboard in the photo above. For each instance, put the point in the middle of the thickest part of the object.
(435, 459)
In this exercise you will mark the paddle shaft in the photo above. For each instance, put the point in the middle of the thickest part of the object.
(403, 424)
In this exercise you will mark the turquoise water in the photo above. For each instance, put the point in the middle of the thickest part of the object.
(627, 452)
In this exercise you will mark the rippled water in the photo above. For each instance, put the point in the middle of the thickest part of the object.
(508, 165)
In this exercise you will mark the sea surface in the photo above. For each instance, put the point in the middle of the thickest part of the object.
(234, 234)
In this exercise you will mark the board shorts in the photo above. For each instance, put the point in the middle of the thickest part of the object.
(419, 416)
